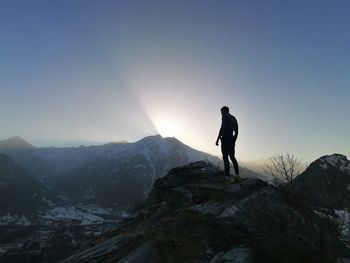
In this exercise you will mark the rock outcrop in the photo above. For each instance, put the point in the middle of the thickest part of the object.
(195, 214)
(326, 182)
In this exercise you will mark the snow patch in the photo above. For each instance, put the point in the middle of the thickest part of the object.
(14, 219)
(98, 210)
(124, 214)
(336, 160)
(344, 221)
(324, 165)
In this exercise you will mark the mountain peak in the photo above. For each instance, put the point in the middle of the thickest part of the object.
(14, 144)
(334, 160)
(16, 139)
(151, 138)
(334, 156)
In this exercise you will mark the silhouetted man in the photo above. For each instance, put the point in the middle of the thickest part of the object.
(228, 139)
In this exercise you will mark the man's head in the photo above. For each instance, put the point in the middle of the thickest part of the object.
(225, 110)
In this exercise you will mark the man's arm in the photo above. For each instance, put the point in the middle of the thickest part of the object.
(219, 136)
(236, 131)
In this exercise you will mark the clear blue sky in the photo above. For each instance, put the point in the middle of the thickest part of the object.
(91, 72)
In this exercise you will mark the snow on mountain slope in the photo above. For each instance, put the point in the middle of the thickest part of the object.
(335, 160)
(122, 175)
(326, 181)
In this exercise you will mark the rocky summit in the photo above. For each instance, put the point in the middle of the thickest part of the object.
(326, 182)
(195, 214)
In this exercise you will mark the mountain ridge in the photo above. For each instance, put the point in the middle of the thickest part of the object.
(251, 165)
(106, 173)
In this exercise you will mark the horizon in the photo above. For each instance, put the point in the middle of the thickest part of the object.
(255, 162)
(91, 72)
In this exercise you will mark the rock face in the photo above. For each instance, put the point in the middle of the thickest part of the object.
(326, 182)
(194, 214)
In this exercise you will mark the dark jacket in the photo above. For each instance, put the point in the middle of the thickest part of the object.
(228, 126)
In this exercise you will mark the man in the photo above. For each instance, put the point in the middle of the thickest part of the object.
(228, 139)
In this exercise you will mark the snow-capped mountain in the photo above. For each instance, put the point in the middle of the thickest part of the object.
(50, 163)
(123, 174)
(111, 174)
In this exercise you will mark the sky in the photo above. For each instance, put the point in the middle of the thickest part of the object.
(92, 72)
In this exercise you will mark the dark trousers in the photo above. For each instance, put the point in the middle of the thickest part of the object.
(228, 150)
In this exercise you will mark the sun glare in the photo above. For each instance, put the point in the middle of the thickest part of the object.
(168, 128)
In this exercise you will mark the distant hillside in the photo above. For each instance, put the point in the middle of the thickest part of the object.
(113, 174)
(19, 192)
(14, 144)
(256, 166)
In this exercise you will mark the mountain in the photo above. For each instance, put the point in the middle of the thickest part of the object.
(14, 144)
(19, 192)
(50, 163)
(195, 214)
(105, 174)
(326, 182)
(122, 174)
(98, 186)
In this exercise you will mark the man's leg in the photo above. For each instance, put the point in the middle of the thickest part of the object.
(233, 159)
(225, 153)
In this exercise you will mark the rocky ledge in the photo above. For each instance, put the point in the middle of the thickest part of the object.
(194, 214)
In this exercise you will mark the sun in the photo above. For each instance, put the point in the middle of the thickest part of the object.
(168, 128)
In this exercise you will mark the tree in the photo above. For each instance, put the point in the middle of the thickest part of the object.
(283, 167)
